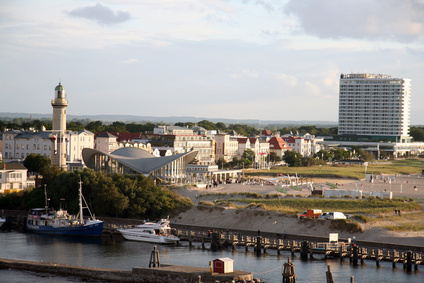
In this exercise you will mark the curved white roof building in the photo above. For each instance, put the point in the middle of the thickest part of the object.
(132, 160)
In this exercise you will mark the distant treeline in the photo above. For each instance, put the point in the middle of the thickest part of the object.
(242, 129)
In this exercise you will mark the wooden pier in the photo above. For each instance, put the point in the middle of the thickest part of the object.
(340, 250)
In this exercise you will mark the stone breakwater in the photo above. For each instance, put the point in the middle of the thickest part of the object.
(166, 274)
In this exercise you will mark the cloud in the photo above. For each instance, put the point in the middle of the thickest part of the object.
(290, 80)
(246, 73)
(100, 14)
(131, 61)
(401, 21)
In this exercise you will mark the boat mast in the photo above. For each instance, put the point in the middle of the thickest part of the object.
(80, 201)
(45, 197)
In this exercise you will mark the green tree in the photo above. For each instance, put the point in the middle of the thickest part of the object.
(208, 125)
(37, 163)
(323, 155)
(292, 158)
(274, 158)
(417, 133)
(221, 126)
(248, 154)
(222, 163)
(95, 127)
(185, 124)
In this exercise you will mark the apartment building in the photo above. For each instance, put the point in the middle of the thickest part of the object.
(226, 147)
(182, 140)
(18, 144)
(300, 145)
(374, 105)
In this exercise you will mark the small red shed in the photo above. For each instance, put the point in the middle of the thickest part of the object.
(223, 265)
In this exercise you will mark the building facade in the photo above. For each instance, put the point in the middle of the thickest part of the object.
(374, 105)
(17, 145)
(226, 147)
(182, 140)
(13, 178)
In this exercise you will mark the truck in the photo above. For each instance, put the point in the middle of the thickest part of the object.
(311, 213)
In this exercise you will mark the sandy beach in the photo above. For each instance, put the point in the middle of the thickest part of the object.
(275, 222)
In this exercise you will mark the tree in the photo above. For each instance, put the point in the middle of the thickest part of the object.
(323, 154)
(248, 154)
(95, 127)
(185, 124)
(37, 163)
(292, 158)
(208, 125)
(222, 163)
(274, 158)
(221, 126)
(417, 133)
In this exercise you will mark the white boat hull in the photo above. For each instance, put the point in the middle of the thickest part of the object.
(148, 238)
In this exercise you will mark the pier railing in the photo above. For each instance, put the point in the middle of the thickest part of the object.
(342, 250)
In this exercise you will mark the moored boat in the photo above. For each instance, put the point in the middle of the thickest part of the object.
(152, 232)
(49, 221)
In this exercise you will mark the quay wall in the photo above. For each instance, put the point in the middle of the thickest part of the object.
(169, 274)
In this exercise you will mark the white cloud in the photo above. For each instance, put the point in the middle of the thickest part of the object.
(401, 21)
(246, 73)
(290, 80)
(131, 61)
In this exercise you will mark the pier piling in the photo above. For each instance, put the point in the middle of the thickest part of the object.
(154, 258)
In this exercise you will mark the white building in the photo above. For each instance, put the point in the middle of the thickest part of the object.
(106, 142)
(13, 178)
(76, 141)
(300, 145)
(17, 145)
(182, 140)
(374, 105)
(226, 147)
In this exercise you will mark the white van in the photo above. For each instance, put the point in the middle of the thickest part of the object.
(335, 215)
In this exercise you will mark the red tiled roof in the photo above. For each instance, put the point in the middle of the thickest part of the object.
(242, 140)
(278, 143)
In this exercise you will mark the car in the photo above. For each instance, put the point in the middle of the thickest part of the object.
(335, 215)
(323, 215)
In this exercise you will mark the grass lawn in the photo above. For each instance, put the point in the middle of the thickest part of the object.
(407, 166)
(298, 205)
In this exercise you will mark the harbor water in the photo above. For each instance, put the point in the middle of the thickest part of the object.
(124, 255)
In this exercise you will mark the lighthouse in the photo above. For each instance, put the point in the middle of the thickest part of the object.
(58, 136)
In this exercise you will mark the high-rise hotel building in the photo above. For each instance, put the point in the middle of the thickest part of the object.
(374, 107)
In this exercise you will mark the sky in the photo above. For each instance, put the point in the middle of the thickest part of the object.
(249, 59)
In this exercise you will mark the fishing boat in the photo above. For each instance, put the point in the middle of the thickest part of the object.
(49, 221)
(151, 232)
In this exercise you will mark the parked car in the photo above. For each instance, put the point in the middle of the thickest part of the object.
(323, 215)
(335, 215)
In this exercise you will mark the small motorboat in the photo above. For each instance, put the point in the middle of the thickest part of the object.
(152, 232)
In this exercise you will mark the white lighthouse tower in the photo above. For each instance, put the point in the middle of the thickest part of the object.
(59, 103)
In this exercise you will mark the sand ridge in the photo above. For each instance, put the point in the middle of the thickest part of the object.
(257, 219)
